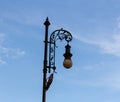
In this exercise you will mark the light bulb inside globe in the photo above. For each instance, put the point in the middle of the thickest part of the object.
(67, 63)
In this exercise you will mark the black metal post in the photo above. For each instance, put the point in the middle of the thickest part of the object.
(59, 34)
(46, 23)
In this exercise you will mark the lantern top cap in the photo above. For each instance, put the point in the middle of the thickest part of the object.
(47, 23)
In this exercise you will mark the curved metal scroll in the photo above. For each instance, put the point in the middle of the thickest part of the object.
(59, 34)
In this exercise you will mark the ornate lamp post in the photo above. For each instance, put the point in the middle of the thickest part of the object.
(59, 34)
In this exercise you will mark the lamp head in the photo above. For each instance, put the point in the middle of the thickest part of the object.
(67, 63)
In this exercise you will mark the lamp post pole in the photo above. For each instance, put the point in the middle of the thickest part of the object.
(47, 23)
(49, 63)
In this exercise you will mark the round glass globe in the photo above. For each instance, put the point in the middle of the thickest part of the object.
(67, 63)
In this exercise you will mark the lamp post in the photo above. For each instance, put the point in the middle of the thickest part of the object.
(49, 55)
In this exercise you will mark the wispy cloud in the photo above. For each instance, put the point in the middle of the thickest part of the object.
(110, 81)
(107, 45)
(2, 61)
(10, 52)
(21, 18)
(2, 38)
(100, 75)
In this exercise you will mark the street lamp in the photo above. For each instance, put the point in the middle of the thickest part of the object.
(49, 55)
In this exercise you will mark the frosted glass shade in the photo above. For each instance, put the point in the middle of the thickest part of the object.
(67, 63)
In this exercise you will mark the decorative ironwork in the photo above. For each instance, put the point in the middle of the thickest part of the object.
(49, 81)
(59, 34)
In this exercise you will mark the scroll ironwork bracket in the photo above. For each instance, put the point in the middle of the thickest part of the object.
(61, 35)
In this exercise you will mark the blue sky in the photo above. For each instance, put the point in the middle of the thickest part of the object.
(95, 26)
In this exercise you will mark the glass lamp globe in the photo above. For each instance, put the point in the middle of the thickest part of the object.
(67, 63)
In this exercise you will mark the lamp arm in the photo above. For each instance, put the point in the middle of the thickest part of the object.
(59, 34)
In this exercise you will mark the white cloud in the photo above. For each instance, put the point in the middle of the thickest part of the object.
(94, 67)
(2, 61)
(6, 52)
(21, 18)
(112, 81)
(2, 38)
(118, 20)
(109, 81)
(10, 52)
(104, 74)
(107, 45)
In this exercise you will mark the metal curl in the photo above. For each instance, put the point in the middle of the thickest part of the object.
(60, 34)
